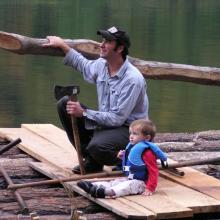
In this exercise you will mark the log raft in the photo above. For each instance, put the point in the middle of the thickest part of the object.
(150, 69)
(55, 202)
(46, 201)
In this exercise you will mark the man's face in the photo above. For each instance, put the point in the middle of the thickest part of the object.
(108, 49)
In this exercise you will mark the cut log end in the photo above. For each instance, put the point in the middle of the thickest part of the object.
(9, 42)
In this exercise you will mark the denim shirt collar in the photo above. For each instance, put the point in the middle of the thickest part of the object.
(120, 72)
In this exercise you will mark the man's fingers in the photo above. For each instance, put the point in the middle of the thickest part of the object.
(52, 41)
(48, 44)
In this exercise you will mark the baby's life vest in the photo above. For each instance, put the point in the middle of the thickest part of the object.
(132, 163)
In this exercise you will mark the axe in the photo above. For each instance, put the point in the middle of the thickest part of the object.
(71, 92)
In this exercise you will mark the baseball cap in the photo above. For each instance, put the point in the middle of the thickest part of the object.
(115, 33)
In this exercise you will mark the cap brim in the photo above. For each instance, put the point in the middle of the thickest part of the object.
(105, 34)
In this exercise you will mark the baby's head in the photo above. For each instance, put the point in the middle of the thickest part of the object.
(142, 129)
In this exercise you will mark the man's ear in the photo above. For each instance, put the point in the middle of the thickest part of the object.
(120, 48)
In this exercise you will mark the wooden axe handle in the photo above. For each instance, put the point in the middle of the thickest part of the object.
(77, 139)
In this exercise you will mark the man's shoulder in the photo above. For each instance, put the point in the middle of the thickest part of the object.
(133, 72)
(135, 78)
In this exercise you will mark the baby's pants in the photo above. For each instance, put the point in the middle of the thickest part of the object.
(123, 186)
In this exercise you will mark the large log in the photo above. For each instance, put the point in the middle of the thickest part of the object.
(151, 70)
(25, 45)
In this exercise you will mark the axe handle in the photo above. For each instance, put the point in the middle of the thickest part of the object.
(77, 139)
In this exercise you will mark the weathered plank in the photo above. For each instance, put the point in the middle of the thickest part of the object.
(168, 192)
(161, 205)
(198, 202)
(121, 208)
(41, 149)
(51, 133)
(197, 181)
(166, 209)
(54, 135)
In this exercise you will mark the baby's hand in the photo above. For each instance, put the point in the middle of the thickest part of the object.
(120, 154)
(147, 193)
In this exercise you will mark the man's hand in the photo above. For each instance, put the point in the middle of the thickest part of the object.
(74, 109)
(57, 42)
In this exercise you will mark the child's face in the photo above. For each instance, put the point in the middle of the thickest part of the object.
(136, 135)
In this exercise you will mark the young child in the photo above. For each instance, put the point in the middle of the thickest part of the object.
(138, 163)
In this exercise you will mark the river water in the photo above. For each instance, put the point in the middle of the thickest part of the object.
(176, 31)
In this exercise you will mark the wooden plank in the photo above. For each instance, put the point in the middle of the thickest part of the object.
(126, 210)
(170, 197)
(198, 202)
(51, 133)
(48, 170)
(54, 135)
(196, 180)
(121, 206)
(41, 149)
(142, 204)
(161, 205)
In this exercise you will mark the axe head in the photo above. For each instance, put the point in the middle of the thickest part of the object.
(61, 91)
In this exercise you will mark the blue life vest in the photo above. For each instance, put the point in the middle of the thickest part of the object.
(132, 163)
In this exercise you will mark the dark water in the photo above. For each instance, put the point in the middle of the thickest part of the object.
(178, 31)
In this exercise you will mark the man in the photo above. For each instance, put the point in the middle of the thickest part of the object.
(122, 98)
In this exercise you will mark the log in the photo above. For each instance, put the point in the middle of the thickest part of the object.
(25, 45)
(151, 70)
(194, 155)
(94, 216)
(213, 146)
(210, 135)
(7, 196)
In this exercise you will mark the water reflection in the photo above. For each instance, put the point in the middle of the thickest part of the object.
(168, 31)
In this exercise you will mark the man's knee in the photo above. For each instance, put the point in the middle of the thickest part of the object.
(102, 154)
(105, 145)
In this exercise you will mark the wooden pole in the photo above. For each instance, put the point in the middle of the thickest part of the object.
(74, 178)
(22, 203)
(10, 145)
(150, 69)
(189, 163)
(170, 167)
(77, 143)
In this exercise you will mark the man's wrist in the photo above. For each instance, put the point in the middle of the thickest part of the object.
(65, 48)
